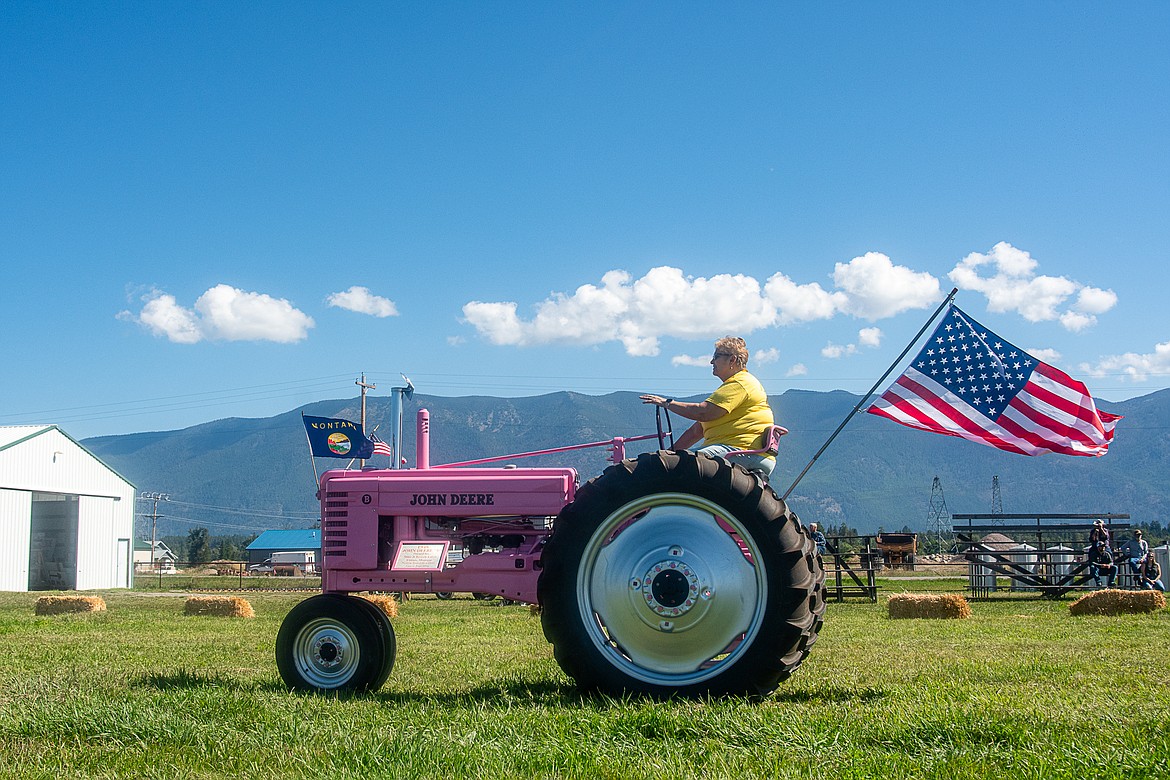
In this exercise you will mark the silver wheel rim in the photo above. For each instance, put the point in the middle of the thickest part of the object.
(672, 589)
(327, 653)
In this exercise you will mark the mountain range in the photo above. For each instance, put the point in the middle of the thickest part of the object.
(247, 475)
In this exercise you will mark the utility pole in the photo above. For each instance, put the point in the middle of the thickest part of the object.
(362, 384)
(154, 516)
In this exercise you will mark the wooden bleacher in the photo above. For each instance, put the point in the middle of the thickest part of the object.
(1053, 566)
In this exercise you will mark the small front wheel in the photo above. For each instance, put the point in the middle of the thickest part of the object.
(332, 643)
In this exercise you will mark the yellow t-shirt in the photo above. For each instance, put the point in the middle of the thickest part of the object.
(748, 413)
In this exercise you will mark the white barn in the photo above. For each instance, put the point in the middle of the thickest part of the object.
(66, 518)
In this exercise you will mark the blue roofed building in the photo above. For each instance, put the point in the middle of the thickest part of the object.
(296, 540)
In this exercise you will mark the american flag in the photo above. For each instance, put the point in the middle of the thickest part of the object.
(380, 447)
(969, 382)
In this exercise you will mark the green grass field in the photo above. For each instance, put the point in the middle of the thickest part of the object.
(1020, 690)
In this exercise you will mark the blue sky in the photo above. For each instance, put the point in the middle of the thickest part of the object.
(231, 209)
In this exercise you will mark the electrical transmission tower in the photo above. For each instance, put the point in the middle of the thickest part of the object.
(938, 517)
(996, 501)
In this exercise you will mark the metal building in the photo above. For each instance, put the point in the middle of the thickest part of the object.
(269, 542)
(66, 518)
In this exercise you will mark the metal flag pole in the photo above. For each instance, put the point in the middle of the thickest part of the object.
(316, 479)
(872, 390)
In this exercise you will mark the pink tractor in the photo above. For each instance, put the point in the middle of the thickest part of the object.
(670, 574)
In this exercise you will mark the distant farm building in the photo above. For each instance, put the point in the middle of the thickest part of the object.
(161, 559)
(269, 542)
(66, 518)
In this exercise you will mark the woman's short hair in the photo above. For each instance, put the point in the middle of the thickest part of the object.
(736, 347)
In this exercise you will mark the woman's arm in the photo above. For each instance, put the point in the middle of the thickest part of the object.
(690, 437)
(703, 411)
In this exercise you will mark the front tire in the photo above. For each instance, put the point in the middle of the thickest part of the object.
(678, 574)
(334, 644)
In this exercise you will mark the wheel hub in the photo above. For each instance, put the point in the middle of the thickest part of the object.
(670, 587)
(327, 650)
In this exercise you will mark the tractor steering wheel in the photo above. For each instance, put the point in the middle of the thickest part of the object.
(662, 436)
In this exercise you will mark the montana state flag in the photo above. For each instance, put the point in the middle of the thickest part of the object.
(334, 438)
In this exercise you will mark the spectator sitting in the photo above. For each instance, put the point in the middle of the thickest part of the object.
(1137, 549)
(1151, 574)
(1101, 566)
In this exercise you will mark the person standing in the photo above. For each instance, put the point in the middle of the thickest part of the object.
(818, 538)
(1099, 533)
(734, 417)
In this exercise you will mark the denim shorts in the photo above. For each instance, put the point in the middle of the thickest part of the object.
(755, 462)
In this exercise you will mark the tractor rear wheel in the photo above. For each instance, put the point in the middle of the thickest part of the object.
(331, 643)
(677, 574)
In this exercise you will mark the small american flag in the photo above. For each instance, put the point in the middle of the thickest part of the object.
(380, 447)
(969, 382)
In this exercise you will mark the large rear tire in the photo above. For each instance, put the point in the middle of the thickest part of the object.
(334, 644)
(678, 574)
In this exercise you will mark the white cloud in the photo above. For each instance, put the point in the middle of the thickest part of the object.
(874, 288)
(801, 302)
(1092, 300)
(869, 337)
(1137, 367)
(163, 316)
(667, 303)
(690, 360)
(361, 300)
(798, 369)
(765, 356)
(837, 351)
(1050, 356)
(866, 337)
(1011, 285)
(223, 313)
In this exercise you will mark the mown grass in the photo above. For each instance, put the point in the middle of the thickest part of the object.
(1020, 690)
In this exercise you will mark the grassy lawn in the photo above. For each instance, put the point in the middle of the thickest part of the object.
(1020, 690)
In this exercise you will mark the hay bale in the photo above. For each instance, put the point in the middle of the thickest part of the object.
(926, 605)
(218, 606)
(227, 568)
(387, 604)
(1118, 602)
(63, 605)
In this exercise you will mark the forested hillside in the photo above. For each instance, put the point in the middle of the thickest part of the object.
(239, 475)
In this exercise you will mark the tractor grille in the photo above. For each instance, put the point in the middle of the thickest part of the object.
(335, 524)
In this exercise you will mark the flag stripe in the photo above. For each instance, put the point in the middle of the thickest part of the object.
(925, 404)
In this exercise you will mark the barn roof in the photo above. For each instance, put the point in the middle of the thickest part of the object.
(295, 539)
(15, 434)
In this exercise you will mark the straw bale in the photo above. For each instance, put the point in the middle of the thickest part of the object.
(218, 606)
(387, 604)
(1118, 602)
(62, 605)
(926, 605)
